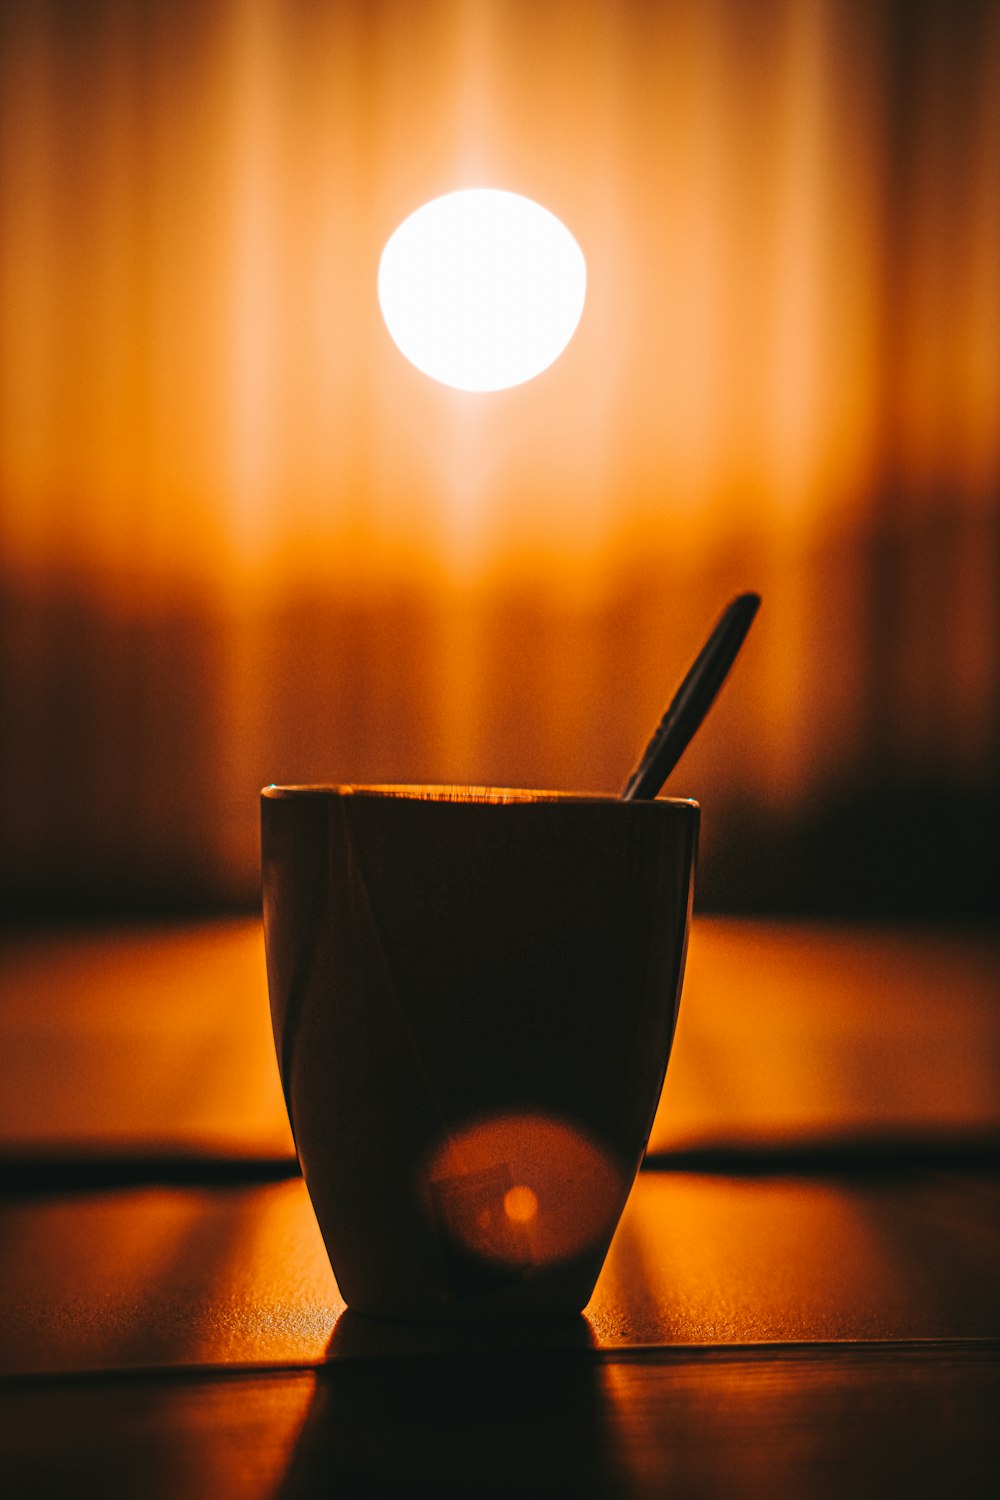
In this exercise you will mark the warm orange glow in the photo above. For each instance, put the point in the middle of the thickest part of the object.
(799, 1050)
(189, 302)
(520, 1204)
(220, 483)
(524, 1190)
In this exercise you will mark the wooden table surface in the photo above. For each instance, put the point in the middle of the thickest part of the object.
(803, 1296)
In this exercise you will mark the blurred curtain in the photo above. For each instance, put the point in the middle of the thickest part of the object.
(242, 540)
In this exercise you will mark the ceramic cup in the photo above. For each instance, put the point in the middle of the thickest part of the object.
(473, 995)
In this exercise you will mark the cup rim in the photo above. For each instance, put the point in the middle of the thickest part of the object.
(460, 795)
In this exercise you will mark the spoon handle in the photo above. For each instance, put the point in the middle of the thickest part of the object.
(693, 699)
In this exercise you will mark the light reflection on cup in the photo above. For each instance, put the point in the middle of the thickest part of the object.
(473, 994)
(523, 1190)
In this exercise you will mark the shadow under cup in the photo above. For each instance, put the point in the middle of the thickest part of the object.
(473, 994)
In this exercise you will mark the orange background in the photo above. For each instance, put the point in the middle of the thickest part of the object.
(242, 540)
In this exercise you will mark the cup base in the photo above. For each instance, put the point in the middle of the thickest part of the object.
(556, 1294)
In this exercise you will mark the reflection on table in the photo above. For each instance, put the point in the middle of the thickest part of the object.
(802, 1296)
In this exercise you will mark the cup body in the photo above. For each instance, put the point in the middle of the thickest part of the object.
(473, 994)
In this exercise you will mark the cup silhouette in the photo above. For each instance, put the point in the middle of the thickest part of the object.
(473, 994)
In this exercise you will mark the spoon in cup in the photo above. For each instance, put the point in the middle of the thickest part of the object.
(692, 700)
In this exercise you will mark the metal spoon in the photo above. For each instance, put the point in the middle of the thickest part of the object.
(693, 699)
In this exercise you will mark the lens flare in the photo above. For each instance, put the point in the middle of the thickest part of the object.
(482, 289)
(520, 1204)
(523, 1190)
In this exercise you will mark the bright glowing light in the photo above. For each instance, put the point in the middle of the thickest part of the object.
(520, 1204)
(477, 1185)
(482, 289)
